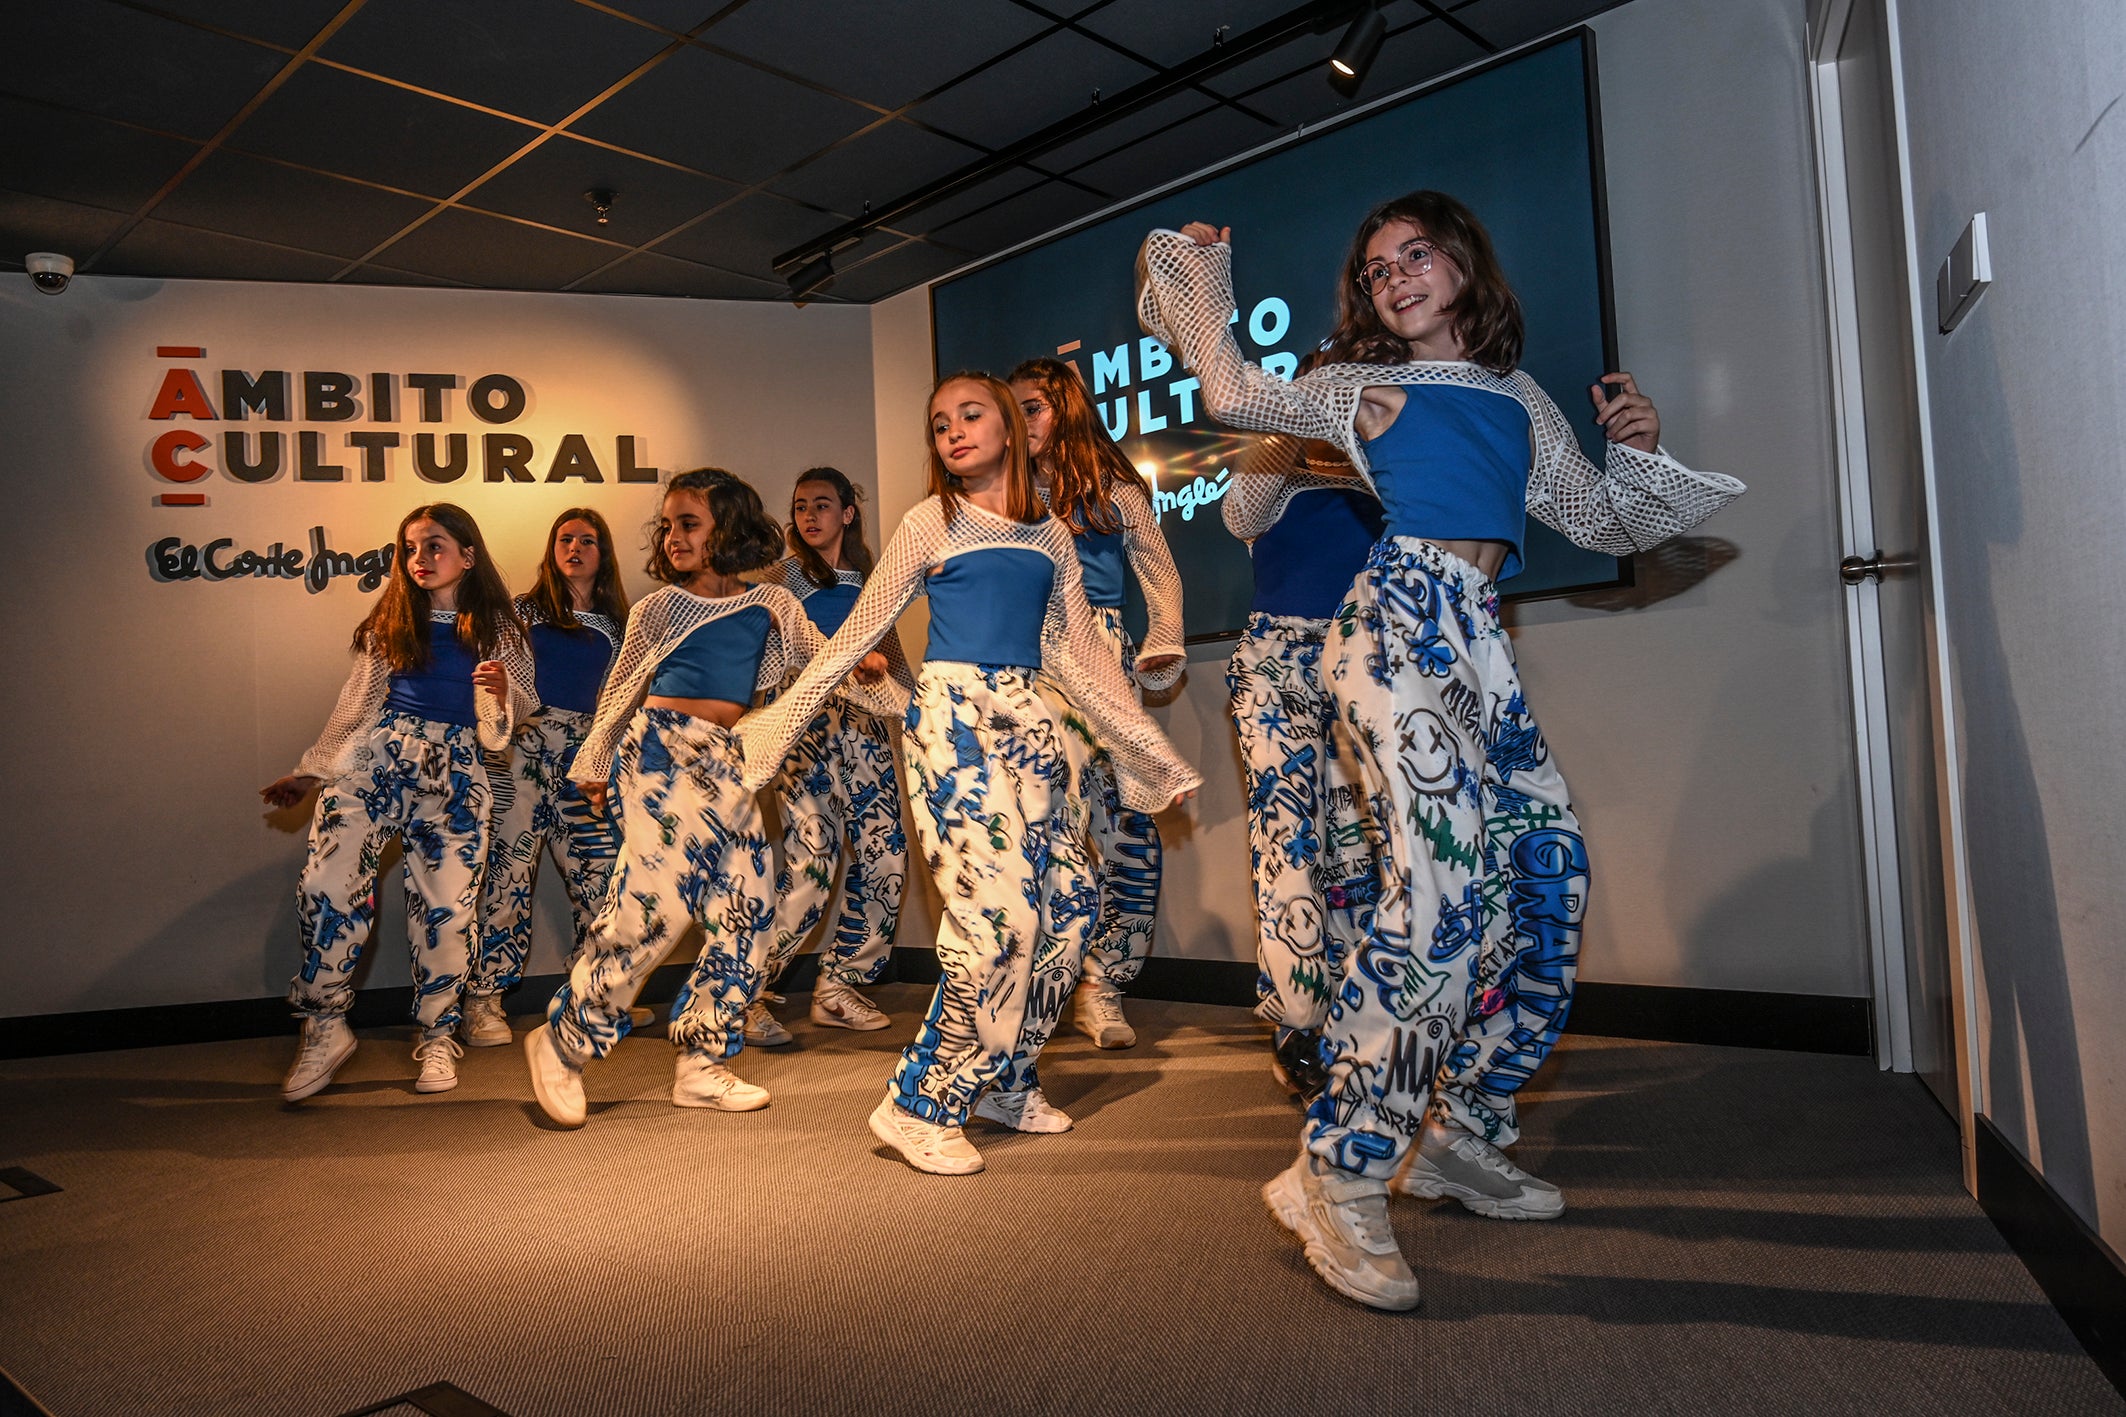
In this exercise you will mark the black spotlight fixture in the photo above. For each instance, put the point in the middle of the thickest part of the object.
(812, 277)
(1356, 51)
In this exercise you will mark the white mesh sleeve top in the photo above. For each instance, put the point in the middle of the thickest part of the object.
(1150, 774)
(1635, 502)
(1153, 563)
(789, 573)
(1276, 470)
(661, 622)
(339, 749)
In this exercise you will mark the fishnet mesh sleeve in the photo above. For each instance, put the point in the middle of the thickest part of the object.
(1148, 771)
(1153, 562)
(1634, 502)
(798, 642)
(896, 579)
(360, 704)
(626, 681)
(499, 720)
(1275, 470)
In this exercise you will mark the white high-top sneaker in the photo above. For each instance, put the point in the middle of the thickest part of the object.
(327, 1042)
(701, 1081)
(484, 1024)
(1097, 1013)
(763, 1029)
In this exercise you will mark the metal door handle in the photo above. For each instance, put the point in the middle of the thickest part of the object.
(1855, 569)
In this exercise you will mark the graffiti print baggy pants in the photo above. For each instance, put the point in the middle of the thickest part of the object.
(986, 779)
(691, 852)
(1126, 852)
(839, 790)
(424, 783)
(1461, 988)
(538, 811)
(1308, 834)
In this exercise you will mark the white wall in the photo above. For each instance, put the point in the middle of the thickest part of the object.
(2015, 111)
(139, 865)
(1706, 735)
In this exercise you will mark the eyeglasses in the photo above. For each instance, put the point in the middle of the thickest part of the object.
(1033, 408)
(1415, 259)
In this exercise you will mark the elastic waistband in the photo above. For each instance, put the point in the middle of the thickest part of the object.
(1435, 560)
(990, 673)
(673, 723)
(1286, 627)
(412, 725)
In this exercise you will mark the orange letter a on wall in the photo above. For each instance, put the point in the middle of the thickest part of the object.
(181, 394)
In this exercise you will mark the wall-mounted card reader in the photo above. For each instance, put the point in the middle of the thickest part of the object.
(1964, 276)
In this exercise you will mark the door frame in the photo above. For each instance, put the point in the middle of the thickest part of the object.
(1827, 21)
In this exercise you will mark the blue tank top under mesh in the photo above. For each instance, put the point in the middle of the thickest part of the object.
(1454, 467)
(569, 666)
(987, 607)
(1103, 559)
(828, 606)
(720, 660)
(1304, 565)
(441, 691)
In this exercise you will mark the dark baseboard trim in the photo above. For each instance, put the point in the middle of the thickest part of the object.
(15, 1402)
(2080, 1274)
(1808, 1023)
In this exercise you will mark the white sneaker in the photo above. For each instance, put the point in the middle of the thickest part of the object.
(639, 1017)
(700, 1081)
(762, 1027)
(838, 1005)
(327, 1042)
(556, 1082)
(1342, 1220)
(1449, 1163)
(942, 1151)
(1026, 1111)
(438, 1057)
(484, 1024)
(1098, 1015)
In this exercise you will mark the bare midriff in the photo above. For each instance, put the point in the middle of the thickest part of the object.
(718, 711)
(1486, 556)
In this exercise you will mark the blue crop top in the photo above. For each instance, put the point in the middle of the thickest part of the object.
(1103, 558)
(828, 606)
(441, 691)
(718, 661)
(987, 606)
(569, 666)
(1454, 467)
(1306, 561)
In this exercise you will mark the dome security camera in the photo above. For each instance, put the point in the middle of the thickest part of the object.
(50, 270)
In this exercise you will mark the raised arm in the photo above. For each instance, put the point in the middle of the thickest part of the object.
(767, 734)
(360, 703)
(626, 682)
(1635, 501)
(1152, 560)
(1150, 774)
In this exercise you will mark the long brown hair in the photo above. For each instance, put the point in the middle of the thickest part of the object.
(1021, 502)
(397, 627)
(1487, 314)
(553, 598)
(743, 538)
(855, 550)
(1083, 462)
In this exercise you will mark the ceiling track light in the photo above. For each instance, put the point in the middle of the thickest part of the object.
(601, 200)
(810, 279)
(1357, 50)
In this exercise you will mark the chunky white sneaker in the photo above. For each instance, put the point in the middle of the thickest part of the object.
(762, 1028)
(942, 1151)
(1098, 1015)
(327, 1042)
(438, 1057)
(1342, 1220)
(556, 1082)
(704, 1082)
(1449, 1163)
(1026, 1111)
(838, 1005)
(484, 1024)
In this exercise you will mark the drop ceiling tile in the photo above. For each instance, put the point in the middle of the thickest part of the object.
(548, 185)
(29, 223)
(723, 117)
(887, 162)
(485, 250)
(289, 22)
(385, 275)
(538, 59)
(647, 273)
(1019, 218)
(880, 51)
(1040, 85)
(1412, 55)
(121, 63)
(897, 270)
(77, 158)
(1205, 139)
(987, 192)
(1170, 34)
(1510, 22)
(1145, 121)
(749, 234)
(680, 16)
(247, 196)
(161, 248)
(345, 123)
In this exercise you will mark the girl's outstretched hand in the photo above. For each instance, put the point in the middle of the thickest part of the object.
(1181, 798)
(1204, 234)
(289, 790)
(871, 668)
(1158, 662)
(491, 678)
(1628, 418)
(595, 794)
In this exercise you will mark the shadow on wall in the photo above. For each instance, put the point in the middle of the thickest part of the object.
(1757, 911)
(2029, 1004)
(1663, 573)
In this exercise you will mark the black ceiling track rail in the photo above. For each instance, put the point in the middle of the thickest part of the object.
(1318, 18)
